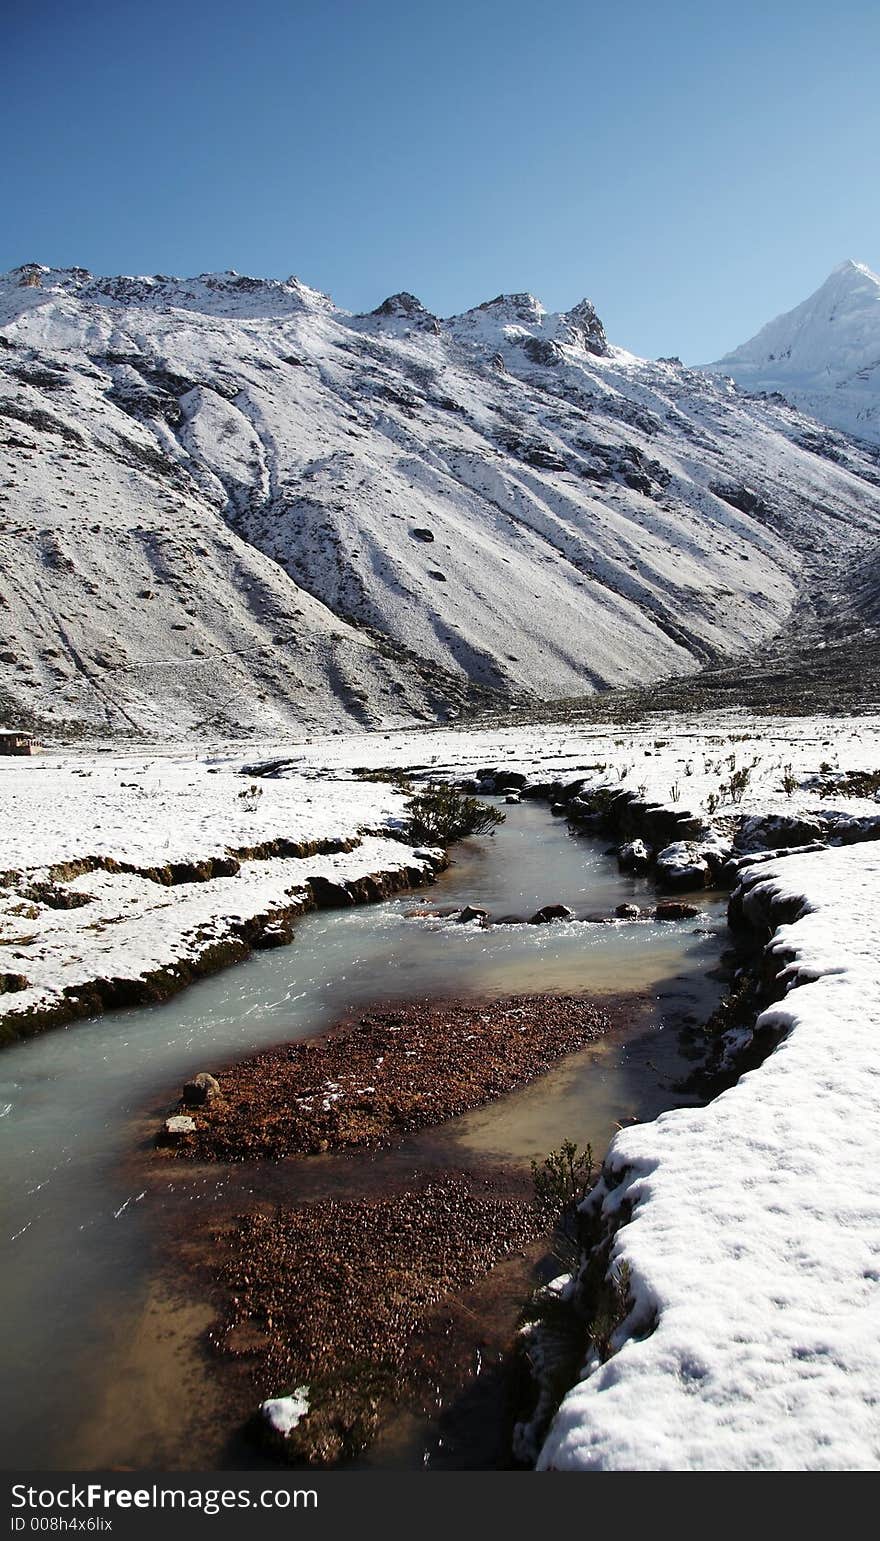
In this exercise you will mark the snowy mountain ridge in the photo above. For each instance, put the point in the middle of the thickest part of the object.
(231, 507)
(824, 355)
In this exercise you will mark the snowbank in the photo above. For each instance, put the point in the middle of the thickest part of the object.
(751, 1228)
(130, 935)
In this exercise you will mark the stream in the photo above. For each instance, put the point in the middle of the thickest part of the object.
(98, 1347)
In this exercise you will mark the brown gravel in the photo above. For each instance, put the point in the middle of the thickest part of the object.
(396, 1069)
(330, 1294)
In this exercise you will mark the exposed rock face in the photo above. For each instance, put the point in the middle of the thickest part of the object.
(405, 307)
(402, 304)
(514, 307)
(542, 351)
(585, 324)
(746, 499)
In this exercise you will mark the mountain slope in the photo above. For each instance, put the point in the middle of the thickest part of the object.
(823, 356)
(233, 507)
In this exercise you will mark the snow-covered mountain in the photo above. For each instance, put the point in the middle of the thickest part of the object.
(232, 507)
(823, 356)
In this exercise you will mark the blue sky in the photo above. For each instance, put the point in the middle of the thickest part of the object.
(693, 168)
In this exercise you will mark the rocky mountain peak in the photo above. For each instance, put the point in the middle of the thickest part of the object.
(402, 304)
(585, 323)
(523, 308)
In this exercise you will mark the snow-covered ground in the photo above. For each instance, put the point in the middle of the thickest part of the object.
(232, 508)
(152, 810)
(150, 815)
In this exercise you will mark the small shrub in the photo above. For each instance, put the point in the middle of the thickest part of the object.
(611, 1311)
(394, 778)
(440, 815)
(675, 791)
(564, 1178)
(789, 781)
(249, 797)
(736, 786)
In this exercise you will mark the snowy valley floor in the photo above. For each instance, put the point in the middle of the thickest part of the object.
(749, 1229)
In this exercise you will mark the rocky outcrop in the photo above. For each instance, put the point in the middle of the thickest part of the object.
(745, 499)
(587, 329)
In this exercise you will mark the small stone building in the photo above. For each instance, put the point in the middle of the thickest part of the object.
(15, 741)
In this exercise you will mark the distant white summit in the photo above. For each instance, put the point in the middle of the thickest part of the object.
(823, 356)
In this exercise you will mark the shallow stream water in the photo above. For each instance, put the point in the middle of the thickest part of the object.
(87, 1380)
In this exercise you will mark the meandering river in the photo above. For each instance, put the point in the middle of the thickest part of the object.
(84, 1382)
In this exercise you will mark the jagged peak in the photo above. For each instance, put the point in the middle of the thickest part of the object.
(583, 307)
(401, 304)
(229, 290)
(585, 323)
(522, 307)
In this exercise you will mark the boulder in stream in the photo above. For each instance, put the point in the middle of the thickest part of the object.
(634, 856)
(674, 909)
(472, 912)
(550, 912)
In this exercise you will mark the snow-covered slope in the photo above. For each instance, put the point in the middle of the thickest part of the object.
(233, 507)
(823, 356)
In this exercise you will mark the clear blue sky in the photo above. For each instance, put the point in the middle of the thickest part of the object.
(694, 168)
